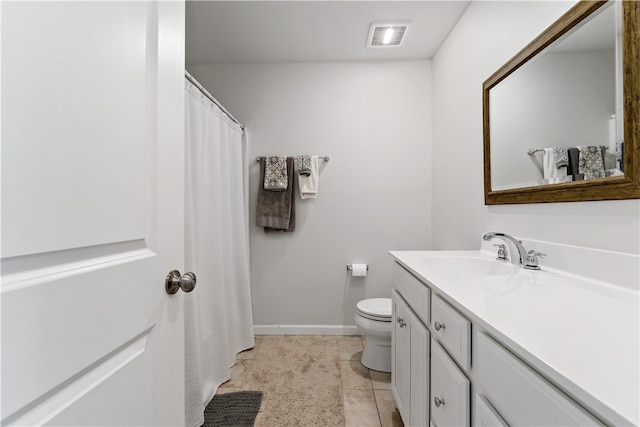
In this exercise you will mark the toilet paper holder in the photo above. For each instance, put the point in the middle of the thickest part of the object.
(350, 267)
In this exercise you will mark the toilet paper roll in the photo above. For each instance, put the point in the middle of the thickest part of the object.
(358, 270)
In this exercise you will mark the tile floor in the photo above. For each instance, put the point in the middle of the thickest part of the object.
(314, 381)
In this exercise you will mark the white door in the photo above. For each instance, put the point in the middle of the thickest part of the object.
(92, 213)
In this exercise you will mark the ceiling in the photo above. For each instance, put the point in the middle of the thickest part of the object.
(231, 32)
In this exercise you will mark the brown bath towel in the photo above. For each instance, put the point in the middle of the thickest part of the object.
(276, 210)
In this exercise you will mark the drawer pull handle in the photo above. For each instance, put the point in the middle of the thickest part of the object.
(438, 401)
(402, 323)
(438, 326)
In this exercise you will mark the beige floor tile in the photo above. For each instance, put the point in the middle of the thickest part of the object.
(380, 380)
(387, 409)
(250, 354)
(238, 374)
(360, 409)
(350, 348)
(225, 390)
(354, 376)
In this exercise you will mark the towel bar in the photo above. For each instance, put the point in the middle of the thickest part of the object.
(532, 151)
(325, 158)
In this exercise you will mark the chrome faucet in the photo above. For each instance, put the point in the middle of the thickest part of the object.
(528, 260)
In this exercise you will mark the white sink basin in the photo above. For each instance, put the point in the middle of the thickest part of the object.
(470, 266)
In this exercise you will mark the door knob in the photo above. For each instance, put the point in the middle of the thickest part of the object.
(175, 281)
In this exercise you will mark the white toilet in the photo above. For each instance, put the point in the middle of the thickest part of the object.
(373, 318)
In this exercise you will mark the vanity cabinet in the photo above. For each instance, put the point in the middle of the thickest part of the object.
(410, 373)
(437, 382)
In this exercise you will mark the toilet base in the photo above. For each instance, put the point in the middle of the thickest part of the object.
(377, 353)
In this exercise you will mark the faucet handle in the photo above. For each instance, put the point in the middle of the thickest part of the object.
(502, 252)
(532, 260)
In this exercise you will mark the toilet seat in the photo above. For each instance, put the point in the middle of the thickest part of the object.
(378, 309)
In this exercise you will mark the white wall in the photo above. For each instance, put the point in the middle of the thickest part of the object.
(487, 35)
(373, 121)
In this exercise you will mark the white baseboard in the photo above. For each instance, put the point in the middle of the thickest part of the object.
(305, 330)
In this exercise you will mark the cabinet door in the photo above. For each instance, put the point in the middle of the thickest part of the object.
(419, 382)
(400, 355)
(449, 390)
(537, 402)
(485, 416)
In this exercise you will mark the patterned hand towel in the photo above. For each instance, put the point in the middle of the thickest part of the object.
(276, 210)
(560, 156)
(304, 165)
(275, 173)
(591, 162)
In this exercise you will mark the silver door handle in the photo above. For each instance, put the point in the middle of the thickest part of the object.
(438, 326)
(175, 281)
(438, 401)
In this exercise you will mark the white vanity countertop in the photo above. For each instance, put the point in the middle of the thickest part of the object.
(581, 334)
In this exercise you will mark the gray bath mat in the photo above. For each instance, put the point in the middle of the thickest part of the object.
(233, 409)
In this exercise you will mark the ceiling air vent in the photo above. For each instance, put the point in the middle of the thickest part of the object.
(387, 34)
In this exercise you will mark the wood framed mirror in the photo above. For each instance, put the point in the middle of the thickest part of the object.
(621, 181)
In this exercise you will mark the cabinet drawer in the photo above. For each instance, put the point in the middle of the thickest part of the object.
(414, 292)
(448, 384)
(521, 395)
(452, 330)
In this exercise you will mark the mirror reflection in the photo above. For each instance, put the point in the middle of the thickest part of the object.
(558, 118)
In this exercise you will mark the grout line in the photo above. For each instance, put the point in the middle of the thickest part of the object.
(377, 407)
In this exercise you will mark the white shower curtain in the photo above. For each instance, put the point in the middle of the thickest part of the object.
(218, 314)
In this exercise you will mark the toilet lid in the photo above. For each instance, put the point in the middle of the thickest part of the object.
(378, 307)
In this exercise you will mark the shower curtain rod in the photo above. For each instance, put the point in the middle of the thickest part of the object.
(211, 98)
